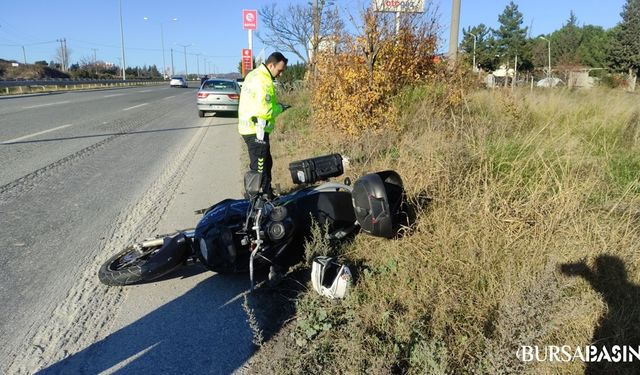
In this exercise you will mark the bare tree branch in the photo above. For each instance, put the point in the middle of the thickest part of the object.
(301, 29)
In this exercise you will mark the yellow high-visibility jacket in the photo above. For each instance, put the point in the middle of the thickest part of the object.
(257, 99)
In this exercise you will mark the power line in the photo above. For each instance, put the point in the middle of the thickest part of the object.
(28, 44)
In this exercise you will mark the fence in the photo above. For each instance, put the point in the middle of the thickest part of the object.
(10, 87)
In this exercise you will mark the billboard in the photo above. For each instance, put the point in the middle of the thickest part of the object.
(409, 6)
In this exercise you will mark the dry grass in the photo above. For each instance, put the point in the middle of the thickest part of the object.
(521, 183)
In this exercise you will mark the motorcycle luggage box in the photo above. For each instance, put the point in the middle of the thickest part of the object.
(316, 169)
(377, 198)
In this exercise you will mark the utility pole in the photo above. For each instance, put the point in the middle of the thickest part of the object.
(24, 55)
(198, 64)
(453, 32)
(95, 65)
(62, 55)
(186, 70)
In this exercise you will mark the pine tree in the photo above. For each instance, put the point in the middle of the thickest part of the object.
(484, 53)
(510, 37)
(566, 42)
(624, 49)
(592, 48)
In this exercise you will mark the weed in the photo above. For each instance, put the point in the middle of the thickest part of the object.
(256, 331)
(514, 191)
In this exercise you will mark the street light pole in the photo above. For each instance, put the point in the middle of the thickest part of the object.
(164, 63)
(549, 53)
(474, 50)
(172, 71)
(124, 77)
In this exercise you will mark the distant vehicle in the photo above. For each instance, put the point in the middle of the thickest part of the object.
(550, 82)
(218, 95)
(204, 78)
(178, 81)
(240, 81)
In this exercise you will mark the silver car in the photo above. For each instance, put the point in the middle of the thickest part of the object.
(218, 95)
(178, 81)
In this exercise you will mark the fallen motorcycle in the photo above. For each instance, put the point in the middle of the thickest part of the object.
(240, 235)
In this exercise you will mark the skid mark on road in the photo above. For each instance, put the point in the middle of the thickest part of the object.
(86, 314)
(27, 182)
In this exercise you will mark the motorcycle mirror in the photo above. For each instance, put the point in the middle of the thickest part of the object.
(252, 183)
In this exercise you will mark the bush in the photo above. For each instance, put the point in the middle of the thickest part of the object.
(354, 88)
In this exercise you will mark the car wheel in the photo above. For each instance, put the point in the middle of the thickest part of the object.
(200, 113)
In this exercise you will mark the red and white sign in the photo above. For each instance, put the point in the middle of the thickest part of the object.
(250, 19)
(247, 61)
(408, 6)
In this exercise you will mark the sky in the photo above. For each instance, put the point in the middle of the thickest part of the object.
(212, 30)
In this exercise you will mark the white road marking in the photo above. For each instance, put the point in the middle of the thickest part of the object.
(169, 97)
(45, 105)
(34, 134)
(144, 91)
(135, 106)
(112, 95)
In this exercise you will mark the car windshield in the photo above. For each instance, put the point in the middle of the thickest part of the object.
(219, 85)
(176, 77)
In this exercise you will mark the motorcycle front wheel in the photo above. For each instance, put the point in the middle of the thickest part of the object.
(146, 261)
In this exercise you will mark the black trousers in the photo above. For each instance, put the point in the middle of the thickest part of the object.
(260, 159)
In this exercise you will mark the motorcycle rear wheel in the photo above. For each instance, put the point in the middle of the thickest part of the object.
(145, 262)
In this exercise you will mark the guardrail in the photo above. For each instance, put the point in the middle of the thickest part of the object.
(8, 87)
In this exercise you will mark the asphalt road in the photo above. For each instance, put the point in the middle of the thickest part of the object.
(82, 174)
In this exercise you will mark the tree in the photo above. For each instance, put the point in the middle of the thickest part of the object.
(253, 61)
(566, 42)
(293, 73)
(511, 37)
(301, 30)
(485, 56)
(592, 49)
(624, 47)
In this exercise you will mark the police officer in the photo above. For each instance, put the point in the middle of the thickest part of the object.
(257, 112)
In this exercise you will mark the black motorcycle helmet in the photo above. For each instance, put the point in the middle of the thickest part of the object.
(377, 200)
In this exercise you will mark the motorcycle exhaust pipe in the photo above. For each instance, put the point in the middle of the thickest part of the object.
(153, 243)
